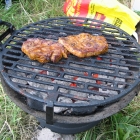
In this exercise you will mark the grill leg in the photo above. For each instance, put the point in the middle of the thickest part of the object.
(49, 113)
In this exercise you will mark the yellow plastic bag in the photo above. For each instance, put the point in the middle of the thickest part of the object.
(110, 11)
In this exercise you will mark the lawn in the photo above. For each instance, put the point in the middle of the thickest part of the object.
(17, 125)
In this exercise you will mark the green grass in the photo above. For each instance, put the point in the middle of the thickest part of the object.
(124, 125)
(24, 12)
(15, 124)
(138, 12)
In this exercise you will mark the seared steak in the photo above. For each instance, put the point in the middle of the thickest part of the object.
(84, 44)
(44, 50)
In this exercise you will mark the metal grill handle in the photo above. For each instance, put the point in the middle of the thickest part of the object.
(10, 30)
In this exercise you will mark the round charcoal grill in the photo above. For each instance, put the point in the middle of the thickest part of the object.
(80, 87)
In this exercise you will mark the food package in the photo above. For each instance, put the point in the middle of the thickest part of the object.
(110, 11)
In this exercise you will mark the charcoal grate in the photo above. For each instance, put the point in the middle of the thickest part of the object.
(95, 80)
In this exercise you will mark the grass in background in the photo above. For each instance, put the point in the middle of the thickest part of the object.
(24, 12)
(138, 12)
(15, 124)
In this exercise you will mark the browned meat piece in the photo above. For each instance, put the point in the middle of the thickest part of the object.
(44, 50)
(84, 44)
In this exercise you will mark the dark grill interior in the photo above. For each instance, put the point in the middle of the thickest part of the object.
(92, 81)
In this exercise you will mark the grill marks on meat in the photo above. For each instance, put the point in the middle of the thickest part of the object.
(44, 50)
(84, 44)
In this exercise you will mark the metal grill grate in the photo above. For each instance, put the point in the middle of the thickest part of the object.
(92, 81)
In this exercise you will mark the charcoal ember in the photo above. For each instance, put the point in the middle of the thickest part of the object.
(86, 80)
(53, 37)
(62, 34)
(40, 86)
(46, 66)
(16, 73)
(110, 92)
(118, 79)
(40, 71)
(29, 69)
(116, 56)
(45, 79)
(26, 68)
(63, 90)
(96, 97)
(121, 85)
(41, 95)
(73, 71)
(107, 91)
(81, 67)
(82, 110)
(61, 109)
(52, 74)
(29, 62)
(16, 80)
(67, 83)
(67, 112)
(34, 63)
(81, 79)
(106, 76)
(78, 94)
(32, 92)
(120, 67)
(60, 82)
(52, 67)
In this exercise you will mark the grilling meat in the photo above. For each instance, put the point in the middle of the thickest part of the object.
(44, 50)
(84, 44)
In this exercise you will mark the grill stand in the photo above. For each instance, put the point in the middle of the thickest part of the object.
(70, 124)
(67, 128)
